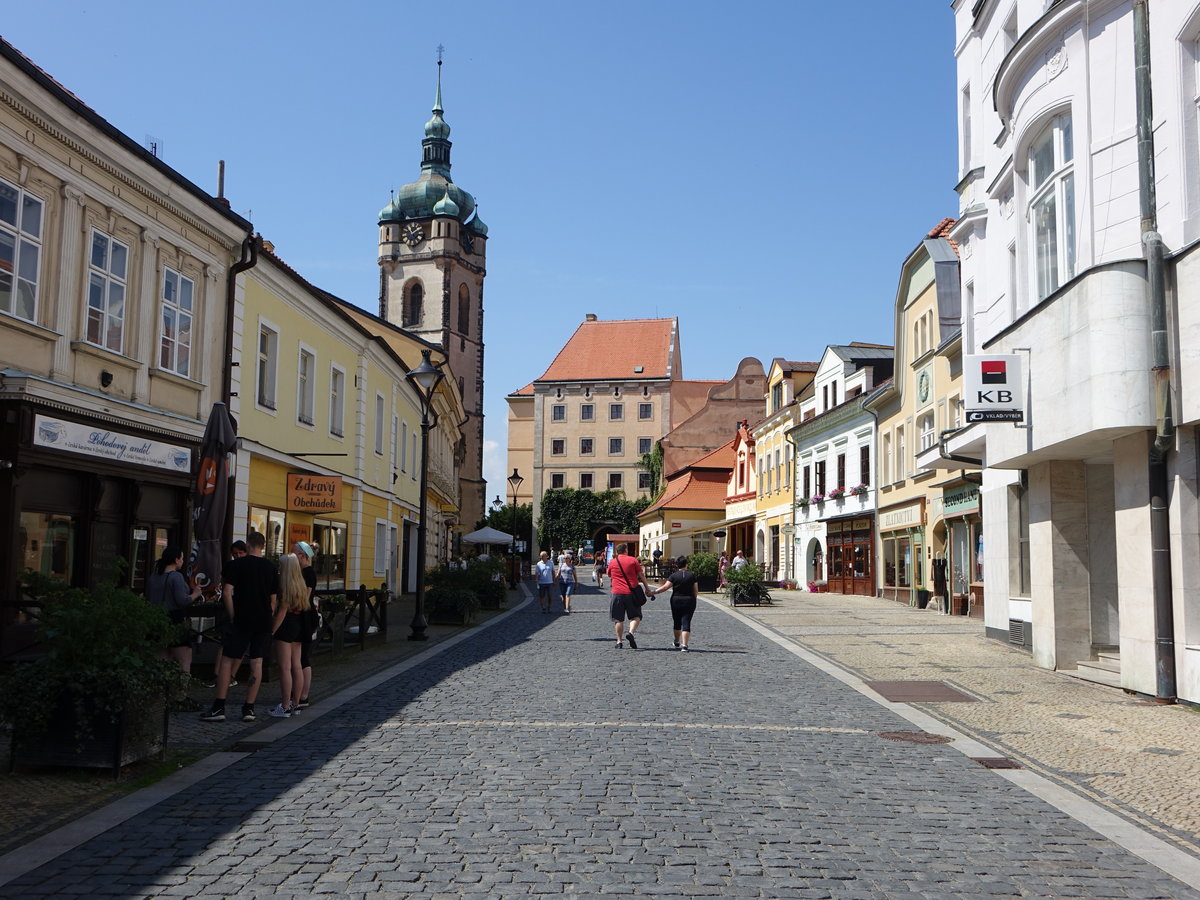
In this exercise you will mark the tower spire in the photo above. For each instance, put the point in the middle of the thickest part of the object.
(437, 100)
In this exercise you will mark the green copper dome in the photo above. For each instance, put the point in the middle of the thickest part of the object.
(477, 226)
(446, 206)
(390, 213)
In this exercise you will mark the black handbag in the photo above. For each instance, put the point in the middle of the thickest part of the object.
(635, 590)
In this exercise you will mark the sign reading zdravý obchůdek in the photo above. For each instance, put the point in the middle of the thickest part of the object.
(314, 493)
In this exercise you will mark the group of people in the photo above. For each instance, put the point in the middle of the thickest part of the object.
(266, 607)
(629, 591)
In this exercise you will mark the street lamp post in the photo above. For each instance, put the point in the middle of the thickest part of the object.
(514, 482)
(425, 378)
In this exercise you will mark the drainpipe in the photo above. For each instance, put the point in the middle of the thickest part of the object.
(248, 261)
(1164, 436)
(791, 554)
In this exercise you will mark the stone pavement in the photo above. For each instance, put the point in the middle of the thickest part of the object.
(36, 802)
(1127, 753)
(533, 758)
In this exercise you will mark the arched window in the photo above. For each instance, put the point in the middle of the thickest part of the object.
(464, 310)
(413, 304)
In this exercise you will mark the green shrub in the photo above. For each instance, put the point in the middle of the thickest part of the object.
(704, 564)
(452, 604)
(745, 585)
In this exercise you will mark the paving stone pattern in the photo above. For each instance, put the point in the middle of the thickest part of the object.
(536, 759)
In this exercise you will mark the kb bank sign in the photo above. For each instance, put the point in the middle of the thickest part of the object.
(994, 388)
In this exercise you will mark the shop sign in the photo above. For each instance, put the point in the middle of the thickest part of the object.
(960, 500)
(314, 493)
(994, 388)
(105, 444)
(298, 533)
(900, 517)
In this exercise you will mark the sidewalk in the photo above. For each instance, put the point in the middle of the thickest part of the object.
(36, 803)
(1124, 752)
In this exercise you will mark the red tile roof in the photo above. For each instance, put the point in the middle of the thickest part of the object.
(693, 490)
(609, 350)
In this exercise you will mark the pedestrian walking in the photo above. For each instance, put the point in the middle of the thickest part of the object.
(721, 567)
(628, 594)
(684, 592)
(287, 626)
(568, 580)
(545, 581)
(598, 569)
(248, 590)
(311, 618)
(739, 560)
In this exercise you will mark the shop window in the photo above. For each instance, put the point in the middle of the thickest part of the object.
(268, 364)
(897, 562)
(107, 272)
(305, 388)
(175, 344)
(270, 524)
(329, 543)
(47, 544)
(20, 251)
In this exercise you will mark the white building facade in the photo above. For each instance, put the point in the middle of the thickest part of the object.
(1055, 270)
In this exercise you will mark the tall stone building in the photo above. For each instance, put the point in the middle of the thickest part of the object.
(432, 255)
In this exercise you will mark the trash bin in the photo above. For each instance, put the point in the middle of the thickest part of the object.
(922, 599)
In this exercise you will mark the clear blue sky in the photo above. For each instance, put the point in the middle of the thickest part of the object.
(758, 169)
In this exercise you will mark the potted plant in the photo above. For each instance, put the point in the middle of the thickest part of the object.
(817, 499)
(837, 493)
(745, 585)
(704, 566)
(451, 605)
(802, 503)
(98, 695)
(860, 490)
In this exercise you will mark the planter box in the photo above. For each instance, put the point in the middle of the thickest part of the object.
(449, 615)
(706, 584)
(140, 733)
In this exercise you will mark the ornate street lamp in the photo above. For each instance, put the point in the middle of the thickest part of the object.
(514, 482)
(425, 378)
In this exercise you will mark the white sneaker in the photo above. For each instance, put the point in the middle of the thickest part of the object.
(278, 712)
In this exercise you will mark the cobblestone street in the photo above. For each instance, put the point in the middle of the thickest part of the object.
(534, 758)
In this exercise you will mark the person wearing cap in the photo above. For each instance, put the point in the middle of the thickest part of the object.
(311, 619)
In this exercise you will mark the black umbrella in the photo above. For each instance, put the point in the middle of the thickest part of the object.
(210, 500)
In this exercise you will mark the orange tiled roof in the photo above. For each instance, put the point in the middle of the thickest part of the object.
(942, 230)
(601, 350)
(693, 490)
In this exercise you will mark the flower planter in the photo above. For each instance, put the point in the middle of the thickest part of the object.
(140, 732)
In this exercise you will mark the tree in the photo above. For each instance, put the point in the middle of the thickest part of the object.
(570, 517)
(652, 462)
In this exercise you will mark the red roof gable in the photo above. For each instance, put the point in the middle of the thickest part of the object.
(610, 350)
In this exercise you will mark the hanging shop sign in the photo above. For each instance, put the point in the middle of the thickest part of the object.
(961, 500)
(103, 443)
(994, 388)
(314, 493)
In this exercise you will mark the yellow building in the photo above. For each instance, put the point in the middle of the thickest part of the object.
(911, 416)
(113, 278)
(330, 434)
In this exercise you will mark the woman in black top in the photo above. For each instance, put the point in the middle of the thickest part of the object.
(683, 601)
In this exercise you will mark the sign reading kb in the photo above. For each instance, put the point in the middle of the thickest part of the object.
(994, 388)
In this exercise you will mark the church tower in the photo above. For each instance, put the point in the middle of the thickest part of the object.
(432, 255)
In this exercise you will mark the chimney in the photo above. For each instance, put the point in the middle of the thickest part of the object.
(589, 317)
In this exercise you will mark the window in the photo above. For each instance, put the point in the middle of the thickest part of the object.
(586, 446)
(819, 470)
(416, 459)
(413, 304)
(777, 396)
(807, 482)
(175, 347)
(1020, 559)
(864, 465)
(1052, 205)
(558, 413)
(557, 480)
(558, 447)
(616, 412)
(337, 401)
(270, 524)
(645, 411)
(48, 543)
(886, 458)
(614, 481)
(643, 481)
(305, 387)
(824, 397)
(965, 140)
(329, 543)
(586, 412)
(833, 394)
(403, 446)
(925, 425)
(268, 360)
(616, 446)
(381, 547)
(379, 423)
(645, 445)
(585, 481)
(464, 310)
(106, 292)
(956, 408)
(20, 251)
(841, 470)
(901, 455)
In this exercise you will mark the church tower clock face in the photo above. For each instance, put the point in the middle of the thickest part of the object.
(413, 234)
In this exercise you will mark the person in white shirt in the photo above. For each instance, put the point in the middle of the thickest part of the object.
(545, 581)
